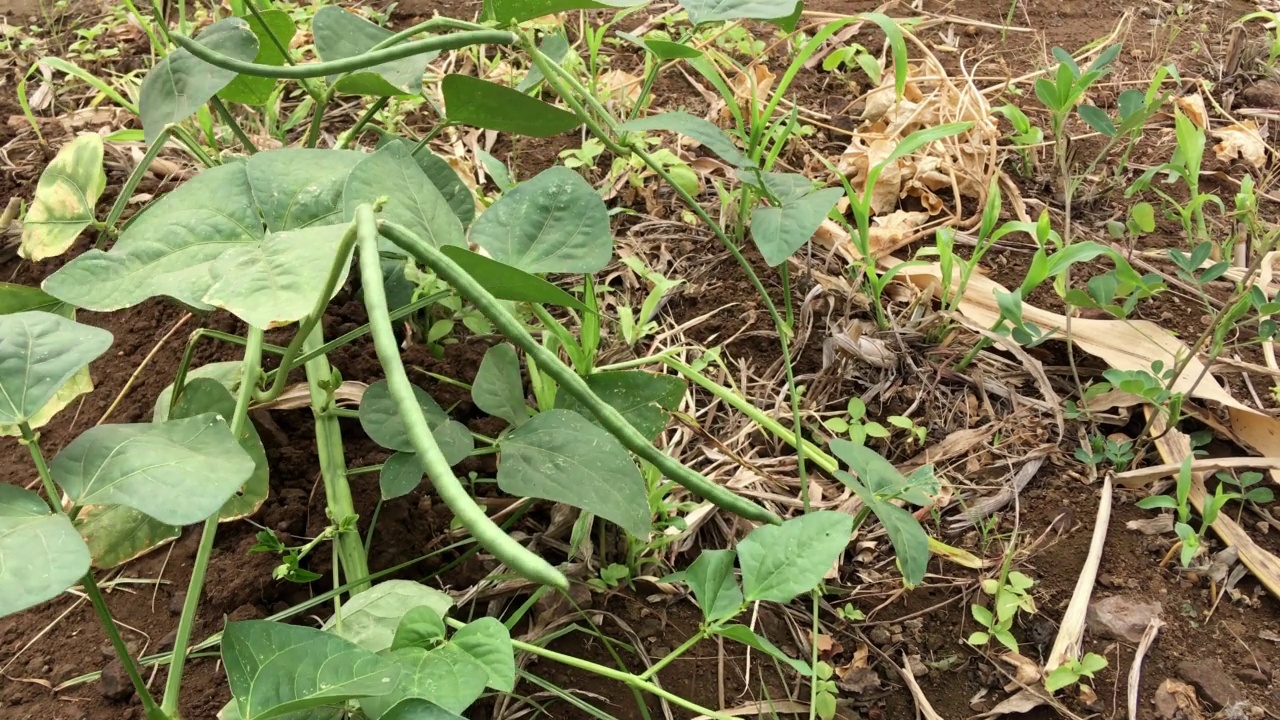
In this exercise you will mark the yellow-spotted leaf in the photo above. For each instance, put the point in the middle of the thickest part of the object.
(68, 190)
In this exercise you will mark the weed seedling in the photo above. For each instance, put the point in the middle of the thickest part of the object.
(1074, 671)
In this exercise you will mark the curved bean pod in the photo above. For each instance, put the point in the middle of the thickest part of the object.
(516, 556)
(452, 41)
(569, 381)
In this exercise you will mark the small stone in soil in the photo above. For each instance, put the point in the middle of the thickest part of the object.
(1210, 679)
(1121, 617)
(879, 635)
(859, 680)
(176, 602)
(114, 683)
(1176, 701)
(168, 641)
(1252, 676)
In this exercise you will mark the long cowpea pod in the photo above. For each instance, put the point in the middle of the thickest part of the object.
(493, 538)
(569, 381)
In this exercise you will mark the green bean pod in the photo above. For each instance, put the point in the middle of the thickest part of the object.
(453, 41)
(516, 556)
(569, 381)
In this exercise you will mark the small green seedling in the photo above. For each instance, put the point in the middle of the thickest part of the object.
(1009, 595)
(1185, 165)
(856, 425)
(1180, 502)
(1025, 138)
(1061, 93)
(1274, 20)
(1074, 671)
(850, 613)
(635, 326)
(1117, 453)
(824, 691)
(851, 56)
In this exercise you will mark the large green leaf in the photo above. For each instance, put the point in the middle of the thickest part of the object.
(446, 676)
(278, 281)
(117, 534)
(445, 178)
(561, 456)
(300, 187)
(227, 373)
(207, 395)
(781, 561)
(555, 222)
(252, 90)
(178, 472)
(413, 201)
(498, 389)
(80, 384)
(169, 248)
(39, 353)
(275, 669)
(705, 11)
(713, 583)
(16, 298)
(21, 298)
(517, 11)
(340, 34)
(780, 231)
(643, 398)
(488, 642)
(180, 83)
(508, 283)
(482, 104)
(380, 419)
(40, 552)
(704, 131)
(370, 619)
(65, 198)
(418, 709)
(400, 475)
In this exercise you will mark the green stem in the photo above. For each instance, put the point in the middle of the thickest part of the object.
(173, 684)
(569, 381)
(353, 134)
(317, 119)
(193, 146)
(482, 528)
(131, 183)
(455, 41)
(673, 655)
(236, 130)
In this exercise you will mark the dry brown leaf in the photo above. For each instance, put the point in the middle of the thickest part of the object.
(753, 83)
(1026, 671)
(1242, 141)
(892, 231)
(1193, 107)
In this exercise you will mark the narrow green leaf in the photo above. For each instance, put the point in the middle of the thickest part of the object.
(381, 422)
(560, 456)
(401, 474)
(780, 231)
(40, 552)
(746, 636)
(370, 618)
(509, 283)
(251, 90)
(781, 561)
(713, 583)
(413, 201)
(65, 199)
(482, 104)
(498, 389)
(663, 49)
(488, 642)
(704, 131)
(340, 34)
(1097, 119)
(645, 399)
(920, 138)
(910, 541)
(39, 353)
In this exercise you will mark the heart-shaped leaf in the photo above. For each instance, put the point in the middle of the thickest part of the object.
(340, 34)
(517, 11)
(705, 11)
(276, 669)
(488, 642)
(780, 231)
(420, 627)
(498, 389)
(560, 456)
(555, 222)
(251, 90)
(227, 373)
(643, 398)
(300, 187)
(413, 201)
(704, 131)
(446, 676)
(65, 199)
(39, 353)
(490, 106)
(178, 472)
(169, 248)
(117, 534)
(370, 618)
(207, 395)
(180, 83)
(400, 475)
(418, 709)
(445, 178)
(508, 283)
(41, 554)
(713, 583)
(380, 419)
(278, 281)
(781, 561)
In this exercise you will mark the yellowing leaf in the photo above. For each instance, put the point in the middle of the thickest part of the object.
(78, 385)
(1242, 141)
(65, 198)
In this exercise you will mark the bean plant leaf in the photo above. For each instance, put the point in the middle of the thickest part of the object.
(380, 419)
(413, 202)
(207, 395)
(418, 709)
(509, 283)
(780, 231)
(713, 583)
(488, 642)
(663, 49)
(400, 475)
(705, 11)
(490, 106)
(559, 455)
(117, 534)
(181, 82)
(16, 298)
(300, 187)
(41, 554)
(877, 474)
(498, 389)
(645, 399)
(278, 281)
(446, 676)
(276, 669)
(340, 34)
(178, 472)
(80, 384)
(420, 627)
(704, 131)
(39, 353)
(250, 90)
(169, 248)
(445, 178)
(370, 618)
(909, 539)
(517, 11)
(781, 561)
(21, 298)
(227, 373)
(748, 637)
(65, 199)
(555, 222)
